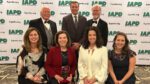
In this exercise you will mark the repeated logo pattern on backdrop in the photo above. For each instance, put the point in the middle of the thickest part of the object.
(129, 16)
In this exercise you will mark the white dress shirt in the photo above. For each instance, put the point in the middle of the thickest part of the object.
(47, 25)
(73, 16)
(95, 24)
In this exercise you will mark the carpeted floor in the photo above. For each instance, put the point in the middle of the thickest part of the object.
(8, 74)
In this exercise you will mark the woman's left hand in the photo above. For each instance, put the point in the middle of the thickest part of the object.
(92, 80)
(69, 78)
(120, 82)
(37, 78)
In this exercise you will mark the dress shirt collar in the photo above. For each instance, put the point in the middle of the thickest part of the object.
(95, 24)
(74, 15)
(97, 20)
(43, 20)
(74, 18)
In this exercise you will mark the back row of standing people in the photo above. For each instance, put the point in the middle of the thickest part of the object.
(75, 25)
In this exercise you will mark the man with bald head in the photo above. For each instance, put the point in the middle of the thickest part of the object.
(99, 23)
(46, 27)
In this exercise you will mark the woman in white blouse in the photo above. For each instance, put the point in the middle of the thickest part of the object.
(93, 59)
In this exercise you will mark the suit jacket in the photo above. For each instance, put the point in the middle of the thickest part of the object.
(93, 63)
(76, 34)
(38, 24)
(103, 27)
(54, 61)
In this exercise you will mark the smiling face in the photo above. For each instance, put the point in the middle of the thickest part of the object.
(45, 13)
(96, 10)
(62, 40)
(33, 37)
(92, 37)
(120, 42)
(74, 7)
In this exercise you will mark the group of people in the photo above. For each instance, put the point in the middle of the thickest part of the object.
(78, 50)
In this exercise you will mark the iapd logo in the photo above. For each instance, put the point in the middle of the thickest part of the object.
(1, 1)
(3, 40)
(146, 14)
(15, 50)
(13, 12)
(134, 4)
(132, 23)
(133, 42)
(64, 3)
(15, 32)
(102, 3)
(145, 33)
(115, 14)
(144, 52)
(84, 13)
(112, 33)
(26, 22)
(52, 13)
(2, 21)
(4, 58)
(29, 2)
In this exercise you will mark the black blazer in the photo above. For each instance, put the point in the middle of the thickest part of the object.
(76, 34)
(38, 23)
(103, 27)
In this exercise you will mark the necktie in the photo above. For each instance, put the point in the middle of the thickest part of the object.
(75, 22)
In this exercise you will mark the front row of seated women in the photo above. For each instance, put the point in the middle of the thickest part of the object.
(96, 65)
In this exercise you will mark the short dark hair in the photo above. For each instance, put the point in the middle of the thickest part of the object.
(99, 41)
(72, 2)
(68, 37)
(126, 47)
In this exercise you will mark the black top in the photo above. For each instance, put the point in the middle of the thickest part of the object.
(120, 64)
(64, 58)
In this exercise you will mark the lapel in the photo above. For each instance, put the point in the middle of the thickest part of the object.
(58, 51)
(90, 22)
(51, 26)
(99, 24)
(41, 25)
(79, 19)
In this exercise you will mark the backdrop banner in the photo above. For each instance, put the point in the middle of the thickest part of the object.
(129, 16)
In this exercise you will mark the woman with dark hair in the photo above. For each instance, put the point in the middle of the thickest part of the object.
(61, 60)
(121, 61)
(93, 58)
(30, 62)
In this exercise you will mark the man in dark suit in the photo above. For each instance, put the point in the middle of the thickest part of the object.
(75, 25)
(47, 27)
(99, 23)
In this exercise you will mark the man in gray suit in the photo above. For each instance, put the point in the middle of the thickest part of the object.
(75, 25)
